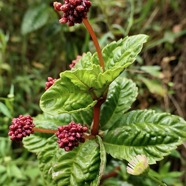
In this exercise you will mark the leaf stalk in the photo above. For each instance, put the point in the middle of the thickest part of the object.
(95, 41)
(48, 131)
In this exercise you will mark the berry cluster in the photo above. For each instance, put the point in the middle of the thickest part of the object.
(75, 61)
(49, 83)
(21, 127)
(73, 11)
(70, 135)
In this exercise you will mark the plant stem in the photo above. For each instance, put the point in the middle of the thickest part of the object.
(114, 173)
(95, 41)
(96, 115)
(48, 131)
(150, 175)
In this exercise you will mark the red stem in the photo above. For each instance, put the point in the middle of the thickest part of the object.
(114, 173)
(49, 131)
(96, 115)
(95, 41)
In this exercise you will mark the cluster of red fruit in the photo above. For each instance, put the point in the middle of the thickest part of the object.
(69, 136)
(21, 127)
(49, 83)
(73, 11)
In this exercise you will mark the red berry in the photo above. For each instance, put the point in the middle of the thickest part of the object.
(74, 11)
(49, 83)
(75, 61)
(80, 8)
(21, 127)
(70, 135)
(57, 6)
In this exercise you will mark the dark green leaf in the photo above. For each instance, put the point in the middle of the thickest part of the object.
(145, 132)
(122, 93)
(75, 168)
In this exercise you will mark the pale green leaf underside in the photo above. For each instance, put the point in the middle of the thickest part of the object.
(64, 97)
(122, 93)
(75, 168)
(145, 132)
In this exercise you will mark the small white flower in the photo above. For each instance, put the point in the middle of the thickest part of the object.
(138, 165)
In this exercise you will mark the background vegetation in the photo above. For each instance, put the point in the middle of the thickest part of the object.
(34, 46)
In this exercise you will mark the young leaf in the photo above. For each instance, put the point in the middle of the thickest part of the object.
(122, 93)
(91, 80)
(123, 52)
(145, 132)
(77, 167)
(65, 97)
(85, 62)
(85, 79)
(35, 18)
(118, 56)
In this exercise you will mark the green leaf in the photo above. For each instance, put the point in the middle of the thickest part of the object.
(65, 97)
(85, 62)
(123, 52)
(152, 70)
(46, 158)
(5, 110)
(118, 56)
(154, 86)
(47, 121)
(92, 80)
(35, 18)
(35, 142)
(83, 117)
(85, 79)
(75, 168)
(121, 94)
(96, 182)
(145, 132)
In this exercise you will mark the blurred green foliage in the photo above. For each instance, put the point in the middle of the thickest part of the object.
(34, 46)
